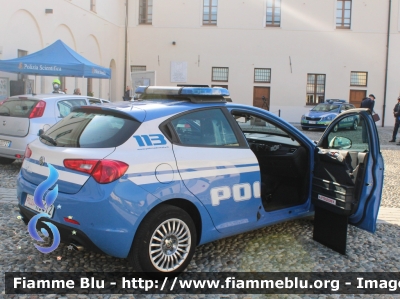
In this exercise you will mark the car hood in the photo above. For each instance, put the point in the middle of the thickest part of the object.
(319, 113)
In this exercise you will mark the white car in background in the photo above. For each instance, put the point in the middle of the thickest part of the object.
(21, 118)
(97, 101)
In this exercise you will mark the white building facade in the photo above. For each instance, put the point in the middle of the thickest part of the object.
(295, 53)
(282, 55)
(94, 29)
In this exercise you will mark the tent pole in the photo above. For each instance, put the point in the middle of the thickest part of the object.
(126, 42)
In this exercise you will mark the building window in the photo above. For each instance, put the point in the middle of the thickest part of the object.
(210, 8)
(273, 13)
(220, 74)
(315, 88)
(145, 11)
(343, 14)
(262, 75)
(358, 78)
(93, 5)
(22, 53)
(138, 68)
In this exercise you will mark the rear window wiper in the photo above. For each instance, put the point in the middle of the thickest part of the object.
(49, 139)
(5, 113)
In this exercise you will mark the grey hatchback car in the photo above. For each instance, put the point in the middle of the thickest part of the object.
(21, 118)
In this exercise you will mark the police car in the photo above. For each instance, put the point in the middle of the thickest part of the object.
(152, 179)
(322, 115)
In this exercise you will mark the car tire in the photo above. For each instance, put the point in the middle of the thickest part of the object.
(355, 125)
(168, 231)
(304, 128)
(335, 128)
(6, 161)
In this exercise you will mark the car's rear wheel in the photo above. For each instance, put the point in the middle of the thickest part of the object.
(355, 125)
(165, 241)
(304, 128)
(6, 160)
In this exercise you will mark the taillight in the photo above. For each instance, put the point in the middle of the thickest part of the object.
(86, 166)
(103, 171)
(38, 110)
(28, 152)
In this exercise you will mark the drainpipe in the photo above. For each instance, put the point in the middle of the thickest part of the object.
(126, 42)
(387, 63)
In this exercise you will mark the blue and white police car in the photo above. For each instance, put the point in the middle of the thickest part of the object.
(322, 115)
(152, 179)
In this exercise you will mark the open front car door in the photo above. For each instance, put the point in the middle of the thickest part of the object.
(347, 179)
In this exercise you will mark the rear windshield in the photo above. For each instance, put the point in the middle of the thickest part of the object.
(17, 108)
(91, 130)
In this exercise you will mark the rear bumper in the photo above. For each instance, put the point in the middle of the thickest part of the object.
(18, 145)
(78, 239)
(108, 215)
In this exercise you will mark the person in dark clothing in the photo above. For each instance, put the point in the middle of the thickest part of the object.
(367, 103)
(396, 114)
(127, 94)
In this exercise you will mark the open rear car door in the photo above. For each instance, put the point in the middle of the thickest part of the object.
(347, 179)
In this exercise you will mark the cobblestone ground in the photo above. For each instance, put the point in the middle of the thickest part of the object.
(282, 247)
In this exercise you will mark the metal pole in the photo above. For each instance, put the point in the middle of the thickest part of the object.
(126, 42)
(387, 63)
(109, 89)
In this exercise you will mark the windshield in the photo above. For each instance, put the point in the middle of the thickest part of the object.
(325, 107)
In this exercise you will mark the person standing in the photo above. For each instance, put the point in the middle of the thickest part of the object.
(368, 103)
(77, 91)
(57, 86)
(127, 94)
(396, 114)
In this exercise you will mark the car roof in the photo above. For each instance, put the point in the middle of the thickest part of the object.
(98, 99)
(48, 96)
(164, 101)
(157, 108)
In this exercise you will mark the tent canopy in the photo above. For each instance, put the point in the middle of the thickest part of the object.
(55, 60)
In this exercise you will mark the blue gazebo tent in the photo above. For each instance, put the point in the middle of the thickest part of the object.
(55, 60)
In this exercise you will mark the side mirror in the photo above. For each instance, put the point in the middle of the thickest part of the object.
(340, 143)
(41, 131)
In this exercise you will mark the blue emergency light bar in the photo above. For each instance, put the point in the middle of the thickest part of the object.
(330, 101)
(186, 91)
